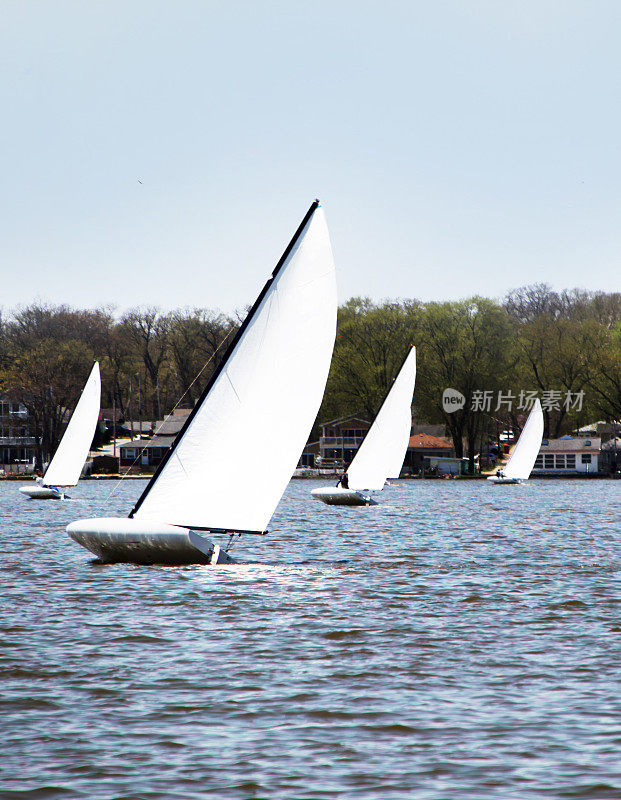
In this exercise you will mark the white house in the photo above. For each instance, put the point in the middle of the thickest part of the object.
(568, 455)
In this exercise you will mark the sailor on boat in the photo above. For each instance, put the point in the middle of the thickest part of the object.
(343, 482)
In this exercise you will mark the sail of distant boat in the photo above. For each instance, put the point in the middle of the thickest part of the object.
(263, 398)
(67, 463)
(381, 454)
(522, 459)
(382, 451)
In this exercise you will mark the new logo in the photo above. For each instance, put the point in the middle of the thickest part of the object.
(452, 400)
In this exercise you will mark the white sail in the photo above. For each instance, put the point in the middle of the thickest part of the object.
(381, 454)
(263, 401)
(66, 466)
(522, 460)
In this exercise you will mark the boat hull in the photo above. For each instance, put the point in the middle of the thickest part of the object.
(337, 496)
(39, 492)
(496, 479)
(132, 541)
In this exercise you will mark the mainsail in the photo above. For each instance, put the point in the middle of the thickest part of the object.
(68, 461)
(381, 454)
(522, 460)
(262, 400)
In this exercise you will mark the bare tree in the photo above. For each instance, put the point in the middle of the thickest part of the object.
(148, 329)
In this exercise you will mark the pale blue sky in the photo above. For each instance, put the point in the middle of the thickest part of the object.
(458, 147)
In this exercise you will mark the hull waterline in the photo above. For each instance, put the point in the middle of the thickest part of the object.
(337, 496)
(42, 492)
(494, 479)
(131, 541)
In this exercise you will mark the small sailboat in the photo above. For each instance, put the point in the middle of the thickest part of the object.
(266, 392)
(522, 459)
(381, 454)
(66, 466)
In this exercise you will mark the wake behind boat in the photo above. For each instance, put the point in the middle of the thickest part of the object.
(522, 459)
(67, 464)
(272, 377)
(381, 454)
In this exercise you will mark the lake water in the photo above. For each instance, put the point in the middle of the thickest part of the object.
(459, 641)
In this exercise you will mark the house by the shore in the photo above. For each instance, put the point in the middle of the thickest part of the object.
(337, 445)
(568, 455)
(148, 452)
(426, 450)
(340, 439)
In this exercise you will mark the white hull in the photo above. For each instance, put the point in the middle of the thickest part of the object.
(496, 479)
(132, 541)
(39, 492)
(337, 496)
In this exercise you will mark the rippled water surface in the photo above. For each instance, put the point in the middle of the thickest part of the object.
(458, 641)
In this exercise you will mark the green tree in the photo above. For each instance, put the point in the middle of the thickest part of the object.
(371, 342)
(466, 346)
(559, 337)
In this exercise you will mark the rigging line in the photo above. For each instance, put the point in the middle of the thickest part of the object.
(231, 542)
(164, 421)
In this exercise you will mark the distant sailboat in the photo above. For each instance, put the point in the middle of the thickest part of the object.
(522, 459)
(381, 454)
(67, 464)
(263, 398)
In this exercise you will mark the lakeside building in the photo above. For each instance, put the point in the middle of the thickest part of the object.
(340, 439)
(339, 442)
(426, 450)
(308, 459)
(17, 445)
(568, 455)
(149, 452)
(443, 466)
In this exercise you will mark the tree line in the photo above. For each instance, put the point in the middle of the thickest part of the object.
(564, 347)
(150, 361)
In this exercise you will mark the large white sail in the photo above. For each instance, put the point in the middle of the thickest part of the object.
(522, 460)
(68, 461)
(262, 402)
(381, 454)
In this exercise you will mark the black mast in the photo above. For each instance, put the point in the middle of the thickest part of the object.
(223, 363)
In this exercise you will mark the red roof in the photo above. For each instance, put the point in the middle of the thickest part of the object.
(428, 441)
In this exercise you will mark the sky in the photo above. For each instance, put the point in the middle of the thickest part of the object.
(163, 153)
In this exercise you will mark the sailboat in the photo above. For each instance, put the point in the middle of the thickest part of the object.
(66, 466)
(381, 454)
(263, 396)
(522, 459)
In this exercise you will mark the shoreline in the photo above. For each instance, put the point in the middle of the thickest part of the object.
(551, 476)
